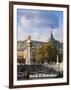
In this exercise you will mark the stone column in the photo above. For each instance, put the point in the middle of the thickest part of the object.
(28, 48)
(57, 59)
(57, 62)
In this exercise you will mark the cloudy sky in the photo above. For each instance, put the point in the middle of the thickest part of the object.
(39, 24)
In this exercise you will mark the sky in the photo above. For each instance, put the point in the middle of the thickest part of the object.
(39, 24)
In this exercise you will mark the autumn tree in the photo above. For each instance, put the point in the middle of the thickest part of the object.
(47, 51)
(52, 52)
(40, 55)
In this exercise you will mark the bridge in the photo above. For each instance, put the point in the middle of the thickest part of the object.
(37, 71)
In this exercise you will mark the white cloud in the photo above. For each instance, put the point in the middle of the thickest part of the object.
(25, 22)
(40, 35)
(21, 34)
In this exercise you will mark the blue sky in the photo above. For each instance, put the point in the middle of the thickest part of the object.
(39, 24)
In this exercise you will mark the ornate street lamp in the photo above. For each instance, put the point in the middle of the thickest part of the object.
(57, 63)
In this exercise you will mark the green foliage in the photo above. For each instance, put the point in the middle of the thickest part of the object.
(40, 55)
(48, 51)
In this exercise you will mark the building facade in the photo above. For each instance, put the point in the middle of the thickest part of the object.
(26, 49)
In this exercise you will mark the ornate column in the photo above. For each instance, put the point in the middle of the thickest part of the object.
(28, 48)
(57, 60)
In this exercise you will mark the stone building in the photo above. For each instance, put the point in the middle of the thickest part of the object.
(26, 49)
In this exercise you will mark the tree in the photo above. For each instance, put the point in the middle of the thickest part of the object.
(47, 51)
(40, 55)
(52, 52)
